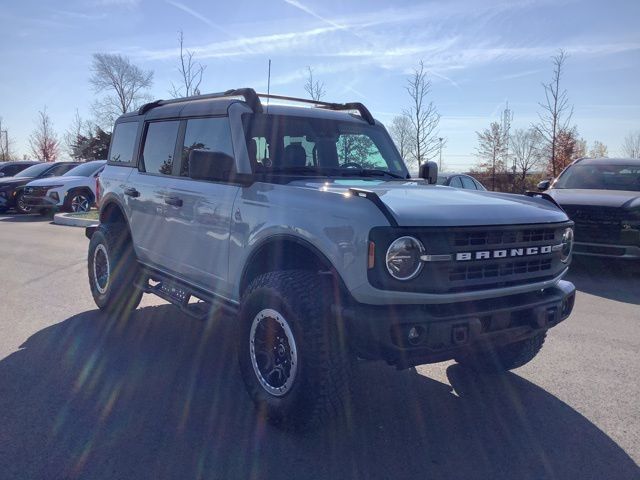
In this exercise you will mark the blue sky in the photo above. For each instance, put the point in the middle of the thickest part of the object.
(480, 54)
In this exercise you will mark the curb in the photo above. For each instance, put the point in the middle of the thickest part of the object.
(67, 219)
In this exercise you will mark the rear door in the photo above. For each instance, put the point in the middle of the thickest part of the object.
(147, 193)
(200, 218)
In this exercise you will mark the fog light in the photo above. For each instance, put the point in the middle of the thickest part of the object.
(415, 335)
(54, 196)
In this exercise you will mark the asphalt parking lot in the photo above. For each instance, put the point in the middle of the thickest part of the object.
(86, 396)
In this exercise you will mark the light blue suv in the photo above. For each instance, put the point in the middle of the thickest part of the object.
(304, 224)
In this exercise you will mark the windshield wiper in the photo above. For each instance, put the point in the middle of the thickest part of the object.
(374, 172)
(299, 170)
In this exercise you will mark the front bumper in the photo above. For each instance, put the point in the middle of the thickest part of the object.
(42, 202)
(448, 330)
(606, 250)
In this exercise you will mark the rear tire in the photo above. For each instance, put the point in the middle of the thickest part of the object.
(113, 270)
(505, 358)
(292, 354)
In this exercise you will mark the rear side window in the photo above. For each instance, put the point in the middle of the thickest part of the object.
(455, 182)
(123, 143)
(159, 147)
(205, 134)
(468, 183)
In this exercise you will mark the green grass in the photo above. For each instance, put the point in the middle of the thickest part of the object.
(92, 215)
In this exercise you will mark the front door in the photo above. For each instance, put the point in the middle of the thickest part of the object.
(200, 219)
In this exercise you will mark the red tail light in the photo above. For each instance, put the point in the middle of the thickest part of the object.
(98, 191)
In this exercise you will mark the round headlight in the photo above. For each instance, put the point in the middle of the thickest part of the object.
(567, 245)
(403, 258)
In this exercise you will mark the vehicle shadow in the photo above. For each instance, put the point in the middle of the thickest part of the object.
(25, 218)
(160, 397)
(612, 279)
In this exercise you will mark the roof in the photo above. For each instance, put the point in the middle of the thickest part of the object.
(609, 161)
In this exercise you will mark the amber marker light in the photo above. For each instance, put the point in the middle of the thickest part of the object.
(372, 255)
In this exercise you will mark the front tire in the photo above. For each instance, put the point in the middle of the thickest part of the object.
(21, 205)
(504, 358)
(292, 354)
(113, 270)
(78, 202)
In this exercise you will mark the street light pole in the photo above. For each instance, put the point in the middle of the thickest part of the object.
(440, 161)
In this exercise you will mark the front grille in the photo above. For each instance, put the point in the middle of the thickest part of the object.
(480, 257)
(498, 270)
(489, 238)
(35, 191)
(596, 224)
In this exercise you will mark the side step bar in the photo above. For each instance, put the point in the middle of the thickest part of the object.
(180, 294)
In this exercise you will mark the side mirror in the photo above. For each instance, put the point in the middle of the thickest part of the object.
(208, 165)
(544, 185)
(429, 171)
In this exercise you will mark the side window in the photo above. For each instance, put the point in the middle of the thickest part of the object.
(455, 182)
(478, 185)
(10, 170)
(159, 147)
(205, 134)
(468, 183)
(59, 170)
(123, 143)
(359, 149)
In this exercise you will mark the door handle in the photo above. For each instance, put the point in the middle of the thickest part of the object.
(132, 192)
(175, 201)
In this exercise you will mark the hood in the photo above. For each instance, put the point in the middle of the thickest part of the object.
(44, 182)
(415, 203)
(13, 182)
(599, 198)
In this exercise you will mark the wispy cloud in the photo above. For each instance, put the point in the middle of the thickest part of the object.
(304, 8)
(115, 3)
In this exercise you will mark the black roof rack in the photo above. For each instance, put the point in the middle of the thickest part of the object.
(253, 100)
(364, 111)
(249, 95)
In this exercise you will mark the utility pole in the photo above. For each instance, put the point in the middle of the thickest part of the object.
(440, 161)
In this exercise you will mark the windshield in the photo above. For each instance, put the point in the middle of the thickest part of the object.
(601, 177)
(279, 143)
(84, 170)
(34, 170)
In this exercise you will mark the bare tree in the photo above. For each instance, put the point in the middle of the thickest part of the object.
(401, 131)
(123, 83)
(599, 150)
(6, 145)
(556, 112)
(491, 148)
(77, 133)
(314, 88)
(190, 73)
(424, 117)
(631, 145)
(43, 140)
(526, 153)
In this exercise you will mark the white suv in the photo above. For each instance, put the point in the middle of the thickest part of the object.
(75, 191)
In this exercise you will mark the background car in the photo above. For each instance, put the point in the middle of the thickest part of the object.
(602, 197)
(11, 188)
(75, 191)
(459, 180)
(9, 169)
